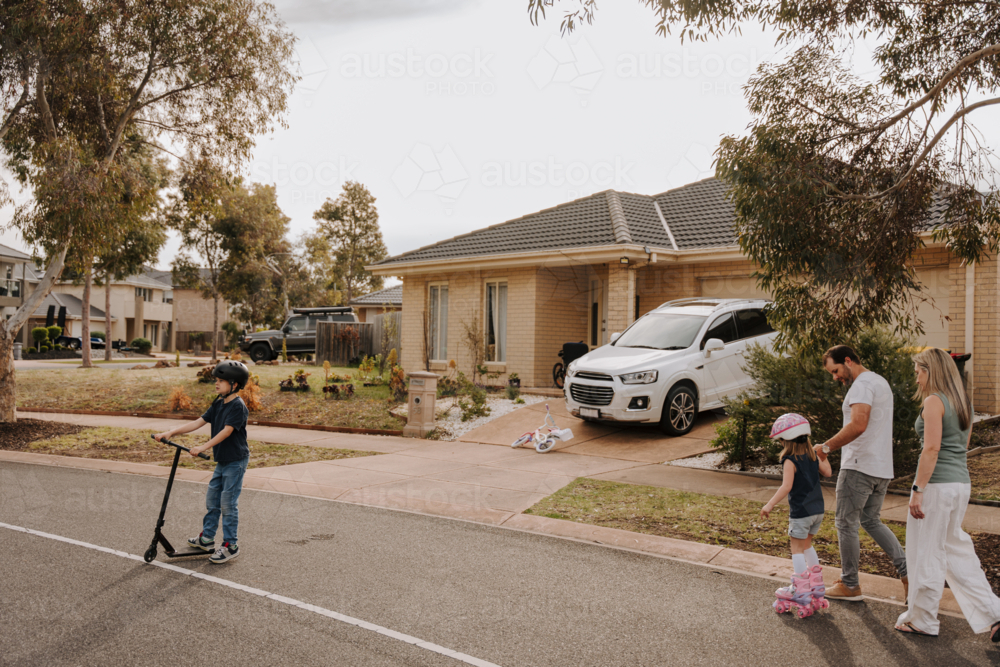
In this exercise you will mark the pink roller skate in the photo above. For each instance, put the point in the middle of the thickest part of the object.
(818, 588)
(797, 597)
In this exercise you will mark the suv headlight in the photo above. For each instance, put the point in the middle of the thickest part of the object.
(642, 377)
(571, 369)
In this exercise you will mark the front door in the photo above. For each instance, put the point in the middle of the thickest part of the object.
(597, 315)
(723, 371)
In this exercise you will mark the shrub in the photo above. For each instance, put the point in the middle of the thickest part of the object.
(98, 334)
(54, 332)
(177, 357)
(40, 335)
(252, 395)
(179, 400)
(512, 392)
(141, 345)
(45, 348)
(475, 406)
(799, 383)
(392, 358)
(232, 331)
(284, 351)
(397, 383)
(205, 375)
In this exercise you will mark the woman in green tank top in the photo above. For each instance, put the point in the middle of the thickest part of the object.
(937, 549)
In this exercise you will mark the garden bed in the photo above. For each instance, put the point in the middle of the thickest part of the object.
(148, 391)
(47, 356)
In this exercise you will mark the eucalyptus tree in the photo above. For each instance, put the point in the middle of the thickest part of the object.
(81, 80)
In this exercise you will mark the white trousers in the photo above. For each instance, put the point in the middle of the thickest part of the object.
(937, 549)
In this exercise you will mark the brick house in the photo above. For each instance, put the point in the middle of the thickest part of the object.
(587, 268)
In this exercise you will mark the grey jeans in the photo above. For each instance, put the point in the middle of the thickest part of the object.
(859, 503)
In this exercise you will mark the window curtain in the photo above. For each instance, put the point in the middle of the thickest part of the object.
(501, 322)
(443, 325)
(433, 324)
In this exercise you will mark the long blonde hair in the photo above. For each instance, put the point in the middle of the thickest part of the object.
(943, 378)
(801, 445)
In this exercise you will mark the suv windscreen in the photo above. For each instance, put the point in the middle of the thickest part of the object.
(723, 328)
(657, 331)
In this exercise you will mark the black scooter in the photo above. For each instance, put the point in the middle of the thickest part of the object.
(158, 536)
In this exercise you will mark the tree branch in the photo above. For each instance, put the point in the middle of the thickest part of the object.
(8, 121)
(43, 103)
(100, 118)
(35, 299)
(130, 109)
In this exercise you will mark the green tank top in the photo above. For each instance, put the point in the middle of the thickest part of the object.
(951, 464)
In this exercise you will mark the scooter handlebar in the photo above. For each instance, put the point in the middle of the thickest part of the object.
(186, 449)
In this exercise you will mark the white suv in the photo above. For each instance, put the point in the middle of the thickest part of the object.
(683, 357)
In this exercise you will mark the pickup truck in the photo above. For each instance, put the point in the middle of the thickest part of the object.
(298, 332)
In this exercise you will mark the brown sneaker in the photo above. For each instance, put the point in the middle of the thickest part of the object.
(906, 589)
(841, 592)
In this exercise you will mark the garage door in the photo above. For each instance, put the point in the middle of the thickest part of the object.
(731, 288)
(936, 288)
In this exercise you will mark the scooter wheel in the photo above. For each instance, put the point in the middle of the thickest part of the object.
(150, 555)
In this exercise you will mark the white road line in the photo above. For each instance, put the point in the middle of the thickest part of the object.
(392, 634)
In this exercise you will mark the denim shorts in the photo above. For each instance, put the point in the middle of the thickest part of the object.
(800, 529)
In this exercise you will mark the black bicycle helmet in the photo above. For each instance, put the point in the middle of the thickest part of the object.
(233, 372)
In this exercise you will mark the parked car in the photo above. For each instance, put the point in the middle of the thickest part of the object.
(75, 342)
(684, 357)
(298, 332)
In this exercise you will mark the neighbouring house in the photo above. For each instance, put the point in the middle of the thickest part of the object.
(140, 307)
(582, 270)
(12, 280)
(388, 300)
(193, 313)
(74, 315)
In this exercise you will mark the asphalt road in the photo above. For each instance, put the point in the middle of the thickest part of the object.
(502, 596)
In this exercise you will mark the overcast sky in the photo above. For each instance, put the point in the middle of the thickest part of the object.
(461, 114)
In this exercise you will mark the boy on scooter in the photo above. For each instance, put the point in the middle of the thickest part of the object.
(228, 417)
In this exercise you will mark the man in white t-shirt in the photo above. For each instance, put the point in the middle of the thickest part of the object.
(865, 468)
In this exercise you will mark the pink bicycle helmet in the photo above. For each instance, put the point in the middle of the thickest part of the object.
(790, 426)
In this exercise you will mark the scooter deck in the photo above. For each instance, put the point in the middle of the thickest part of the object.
(187, 553)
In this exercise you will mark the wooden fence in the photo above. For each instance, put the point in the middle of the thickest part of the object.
(339, 342)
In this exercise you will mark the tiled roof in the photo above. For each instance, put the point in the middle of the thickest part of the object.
(9, 253)
(390, 295)
(698, 215)
(74, 307)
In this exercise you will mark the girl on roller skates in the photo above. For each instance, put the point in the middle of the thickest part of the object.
(800, 482)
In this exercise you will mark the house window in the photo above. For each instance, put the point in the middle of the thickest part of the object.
(438, 322)
(496, 321)
(144, 294)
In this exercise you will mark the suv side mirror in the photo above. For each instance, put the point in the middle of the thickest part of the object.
(713, 345)
(284, 329)
(615, 336)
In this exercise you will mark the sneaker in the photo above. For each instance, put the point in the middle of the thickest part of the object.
(201, 543)
(224, 553)
(841, 591)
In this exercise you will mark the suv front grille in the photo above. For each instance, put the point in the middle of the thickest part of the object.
(589, 395)
(600, 377)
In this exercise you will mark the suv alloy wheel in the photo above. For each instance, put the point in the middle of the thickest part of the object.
(679, 411)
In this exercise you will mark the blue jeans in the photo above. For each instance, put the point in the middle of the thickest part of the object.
(222, 498)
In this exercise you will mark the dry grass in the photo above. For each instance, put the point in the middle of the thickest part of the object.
(119, 389)
(122, 444)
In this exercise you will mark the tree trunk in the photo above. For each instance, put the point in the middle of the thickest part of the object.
(8, 395)
(107, 317)
(85, 315)
(215, 329)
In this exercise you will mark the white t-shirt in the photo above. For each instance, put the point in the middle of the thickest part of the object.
(871, 452)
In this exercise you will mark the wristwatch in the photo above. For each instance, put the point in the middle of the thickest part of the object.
(917, 489)
(825, 448)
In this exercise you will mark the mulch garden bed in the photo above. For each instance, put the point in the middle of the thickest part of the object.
(16, 436)
(51, 354)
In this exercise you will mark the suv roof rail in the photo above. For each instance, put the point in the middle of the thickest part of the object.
(322, 310)
(715, 302)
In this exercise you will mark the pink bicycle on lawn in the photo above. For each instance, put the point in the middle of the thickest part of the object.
(545, 436)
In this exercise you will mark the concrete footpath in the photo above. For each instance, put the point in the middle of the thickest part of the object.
(492, 484)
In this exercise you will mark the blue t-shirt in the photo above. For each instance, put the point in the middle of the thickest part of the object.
(806, 496)
(235, 414)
